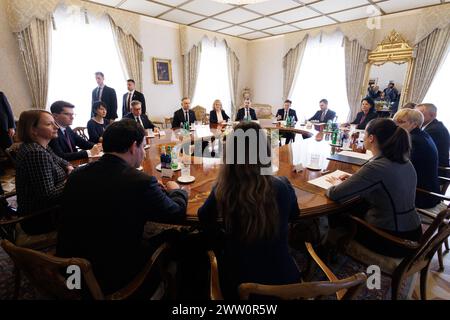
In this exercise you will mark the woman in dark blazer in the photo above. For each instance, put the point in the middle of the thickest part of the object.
(40, 173)
(97, 125)
(367, 113)
(255, 209)
(217, 114)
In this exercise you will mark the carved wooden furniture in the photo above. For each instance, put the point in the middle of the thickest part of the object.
(82, 132)
(419, 260)
(305, 290)
(263, 111)
(200, 114)
(45, 272)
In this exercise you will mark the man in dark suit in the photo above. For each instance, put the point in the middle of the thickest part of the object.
(132, 95)
(282, 114)
(184, 114)
(136, 115)
(7, 125)
(247, 112)
(438, 133)
(65, 146)
(105, 94)
(324, 114)
(107, 203)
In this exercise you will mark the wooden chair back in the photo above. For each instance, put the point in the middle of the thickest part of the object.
(82, 132)
(306, 290)
(430, 242)
(46, 273)
(11, 152)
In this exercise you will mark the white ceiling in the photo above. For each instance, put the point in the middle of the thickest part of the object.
(265, 19)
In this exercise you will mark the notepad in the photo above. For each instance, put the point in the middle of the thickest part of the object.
(323, 183)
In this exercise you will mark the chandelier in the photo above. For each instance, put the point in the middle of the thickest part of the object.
(239, 2)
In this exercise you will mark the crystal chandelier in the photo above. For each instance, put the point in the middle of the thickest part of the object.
(239, 2)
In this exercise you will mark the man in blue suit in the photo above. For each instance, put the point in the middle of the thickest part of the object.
(324, 114)
(65, 146)
(247, 112)
(105, 94)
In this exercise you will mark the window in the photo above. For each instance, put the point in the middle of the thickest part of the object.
(78, 51)
(437, 92)
(321, 76)
(212, 82)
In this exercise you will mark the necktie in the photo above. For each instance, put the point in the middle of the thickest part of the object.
(246, 114)
(186, 116)
(68, 140)
(285, 114)
(98, 94)
(129, 101)
(323, 116)
(138, 120)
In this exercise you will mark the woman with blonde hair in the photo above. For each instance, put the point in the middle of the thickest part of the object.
(217, 114)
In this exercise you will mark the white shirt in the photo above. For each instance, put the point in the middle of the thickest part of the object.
(219, 116)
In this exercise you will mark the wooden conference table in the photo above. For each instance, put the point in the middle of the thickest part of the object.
(311, 199)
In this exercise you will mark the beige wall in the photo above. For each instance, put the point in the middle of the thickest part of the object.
(161, 40)
(13, 81)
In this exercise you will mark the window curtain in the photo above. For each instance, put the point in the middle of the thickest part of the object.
(34, 44)
(131, 53)
(233, 74)
(291, 62)
(430, 53)
(191, 64)
(355, 65)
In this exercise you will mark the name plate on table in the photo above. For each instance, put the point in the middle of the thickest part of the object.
(166, 173)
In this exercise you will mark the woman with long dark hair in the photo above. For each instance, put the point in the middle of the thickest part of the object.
(387, 183)
(366, 114)
(255, 209)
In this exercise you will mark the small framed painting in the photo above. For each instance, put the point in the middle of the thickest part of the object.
(162, 71)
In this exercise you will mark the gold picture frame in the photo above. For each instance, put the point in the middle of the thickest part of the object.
(162, 71)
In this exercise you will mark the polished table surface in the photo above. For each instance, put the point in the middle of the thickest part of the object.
(311, 199)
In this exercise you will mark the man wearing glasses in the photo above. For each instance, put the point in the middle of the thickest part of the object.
(67, 144)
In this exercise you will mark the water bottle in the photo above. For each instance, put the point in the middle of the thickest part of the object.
(329, 125)
(163, 157)
(334, 137)
(168, 157)
(174, 163)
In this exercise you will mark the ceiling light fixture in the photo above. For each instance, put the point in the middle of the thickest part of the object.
(239, 2)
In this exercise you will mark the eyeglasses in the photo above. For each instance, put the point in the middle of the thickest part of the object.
(69, 114)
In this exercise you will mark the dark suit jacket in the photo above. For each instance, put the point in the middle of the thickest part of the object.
(362, 125)
(330, 115)
(264, 261)
(440, 136)
(178, 118)
(424, 157)
(110, 98)
(145, 120)
(105, 207)
(213, 116)
(62, 149)
(291, 113)
(136, 96)
(6, 122)
(6, 115)
(241, 114)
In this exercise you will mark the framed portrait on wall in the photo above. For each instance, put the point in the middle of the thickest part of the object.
(162, 71)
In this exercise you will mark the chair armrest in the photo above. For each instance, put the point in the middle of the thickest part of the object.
(29, 216)
(137, 282)
(408, 244)
(434, 194)
(444, 179)
(330, 275)
(8, 195)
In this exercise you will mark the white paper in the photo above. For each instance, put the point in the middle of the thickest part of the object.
(162, 133)
(366, 156)
(323, 183)
(167, 173)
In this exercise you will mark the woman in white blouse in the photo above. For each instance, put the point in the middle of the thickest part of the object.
(217, 115)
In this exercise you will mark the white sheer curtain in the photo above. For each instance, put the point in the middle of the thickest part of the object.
(79, 49)
(213, 82)
(437, 92)
(322, 76)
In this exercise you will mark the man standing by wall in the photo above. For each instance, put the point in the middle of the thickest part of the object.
(105, 94)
